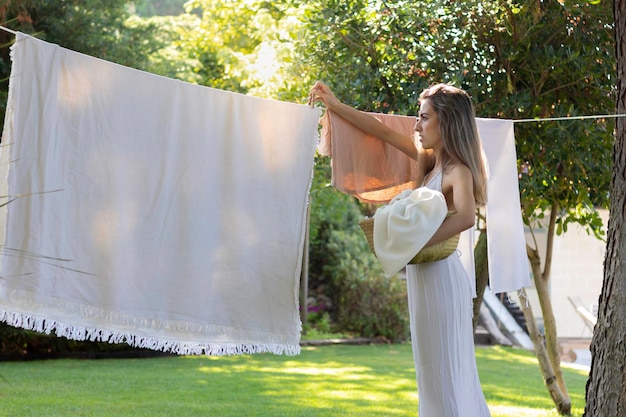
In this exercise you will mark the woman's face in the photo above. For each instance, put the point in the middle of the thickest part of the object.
(427, 127)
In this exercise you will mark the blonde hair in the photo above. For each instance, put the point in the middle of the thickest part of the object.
(459, 134)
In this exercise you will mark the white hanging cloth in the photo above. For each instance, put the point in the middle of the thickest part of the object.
(155, 212)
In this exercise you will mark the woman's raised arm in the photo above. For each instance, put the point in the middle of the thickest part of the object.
(365, 122)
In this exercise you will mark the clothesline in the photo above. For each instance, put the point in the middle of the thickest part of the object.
(552, 119)
(545, 119)
(8, 30)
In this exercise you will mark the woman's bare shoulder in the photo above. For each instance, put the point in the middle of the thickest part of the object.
(456, 168)
(456, 172)
(458, 186)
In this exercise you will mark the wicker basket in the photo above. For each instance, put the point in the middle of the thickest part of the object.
(432, 253)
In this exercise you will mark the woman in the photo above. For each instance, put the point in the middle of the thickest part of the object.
(440, 300)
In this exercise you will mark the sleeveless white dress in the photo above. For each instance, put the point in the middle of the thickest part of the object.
(440, 307)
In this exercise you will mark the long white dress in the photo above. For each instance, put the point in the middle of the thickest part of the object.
(440, 306)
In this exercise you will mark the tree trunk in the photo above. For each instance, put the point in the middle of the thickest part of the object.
(551, 346)
(541, 284)
(549, 321)
(549, 351)
(606, 388)
(563, 405)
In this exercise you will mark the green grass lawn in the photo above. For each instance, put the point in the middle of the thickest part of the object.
(346, 381)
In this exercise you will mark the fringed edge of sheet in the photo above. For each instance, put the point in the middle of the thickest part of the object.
(81, 333)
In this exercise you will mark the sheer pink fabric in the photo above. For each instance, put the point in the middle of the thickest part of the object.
(364, 166)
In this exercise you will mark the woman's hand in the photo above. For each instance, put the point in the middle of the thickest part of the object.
(320, 92)
(361, 120)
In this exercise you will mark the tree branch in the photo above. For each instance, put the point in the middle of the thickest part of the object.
(545, 274)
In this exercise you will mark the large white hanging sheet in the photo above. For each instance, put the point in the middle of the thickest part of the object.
(151, 211)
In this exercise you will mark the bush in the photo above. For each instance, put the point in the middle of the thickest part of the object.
(19, 344)
(346, 281)
(366, 302)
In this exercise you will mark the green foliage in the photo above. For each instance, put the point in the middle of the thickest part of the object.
(342, 267)
(522, 59)
(330, 209)
(370, 52)
(94, 27)
(367, 303)
(248, 47)
(18, 344)
(149, 8)
(375, 307)
(172, 57)
(556, 59)
(313, 333)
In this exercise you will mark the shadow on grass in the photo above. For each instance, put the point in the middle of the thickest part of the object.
(345, 381)
(322, 381)
(511, 377)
